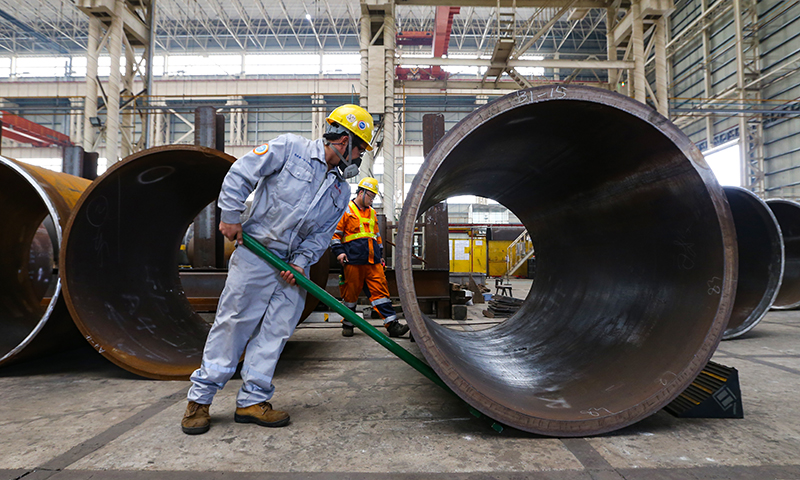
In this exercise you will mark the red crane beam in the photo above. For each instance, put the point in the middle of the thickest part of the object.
(439, 38)
(22, 130)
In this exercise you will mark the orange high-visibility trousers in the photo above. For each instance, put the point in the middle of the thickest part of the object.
(371, 275)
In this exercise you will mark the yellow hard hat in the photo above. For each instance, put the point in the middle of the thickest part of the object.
(369, 183)
(354, 119)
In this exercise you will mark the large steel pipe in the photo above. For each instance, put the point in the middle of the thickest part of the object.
(635, 260)
(120, 259)
(760, 260)
(787, 212)
(34, 207)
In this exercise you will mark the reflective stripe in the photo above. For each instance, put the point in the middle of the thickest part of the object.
(356, 236)
(254, 374)
(336, 241)
(388, 320)
(219, 368)
(350, 305)
(379, 301)
(368, 231)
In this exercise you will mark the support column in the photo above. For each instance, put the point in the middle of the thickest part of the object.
(318, 123)
(76, 118)
(755, 134)
(205, 126)
(243, 126)
(748, 63)
(707, 84)
(556, 71)
(239, 121)
(662, 98)
(127, 132)
(389, 174)
(737, 22)
(363, 40)
(206, 235)
(72, 162)
(148, 82)
(114, 84)
(365, 36)
(637, 37)
(158, 115)
(611, 47)
(90, 95)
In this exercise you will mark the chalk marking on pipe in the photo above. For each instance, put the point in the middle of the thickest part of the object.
(597, 412)
(714, 286)
(667, 377)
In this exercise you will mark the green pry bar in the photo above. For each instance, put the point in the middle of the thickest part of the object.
(353, 318)
(345, 312)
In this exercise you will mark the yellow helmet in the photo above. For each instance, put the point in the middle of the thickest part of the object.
(369, 183)
(354, 119)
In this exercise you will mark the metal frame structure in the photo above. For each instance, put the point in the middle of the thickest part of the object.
(126, 24)
(377, 41)
(711, 64)
(207, 26)
(730, 85)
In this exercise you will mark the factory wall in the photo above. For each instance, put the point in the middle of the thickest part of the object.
(778, 32)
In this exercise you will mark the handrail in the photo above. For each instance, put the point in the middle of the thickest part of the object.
(512, 264)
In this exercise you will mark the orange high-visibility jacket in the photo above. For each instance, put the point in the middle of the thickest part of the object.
(357, 236)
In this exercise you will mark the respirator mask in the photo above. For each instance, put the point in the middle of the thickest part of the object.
(347, 168)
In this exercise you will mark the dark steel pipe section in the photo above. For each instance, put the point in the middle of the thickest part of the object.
(35, 204)
(760, 260)
(120, 259)
(787, 212)
(635, 252)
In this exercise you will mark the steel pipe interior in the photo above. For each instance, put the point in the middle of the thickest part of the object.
(635, 260)
(760, 260)
(787, 212)
(120, 259)
(33, 317)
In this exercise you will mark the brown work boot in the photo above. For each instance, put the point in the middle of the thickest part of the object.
(347, 330)
(196, 420)
(396, 329)
(261, 414)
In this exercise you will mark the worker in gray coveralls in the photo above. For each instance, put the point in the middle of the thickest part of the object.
(300, 195)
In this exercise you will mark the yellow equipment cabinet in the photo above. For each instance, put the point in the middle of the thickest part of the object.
(467, 252)
(497, 259)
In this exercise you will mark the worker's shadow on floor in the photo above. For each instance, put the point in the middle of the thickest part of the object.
(84, 360)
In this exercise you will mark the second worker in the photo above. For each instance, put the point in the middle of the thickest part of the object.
(358, 247)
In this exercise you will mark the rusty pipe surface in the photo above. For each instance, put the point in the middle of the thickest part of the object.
(120, 259)
(787, 212)
(35, 204)
(760, 260)
(635, 260)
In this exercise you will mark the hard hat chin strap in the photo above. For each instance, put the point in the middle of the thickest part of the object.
(348, 169)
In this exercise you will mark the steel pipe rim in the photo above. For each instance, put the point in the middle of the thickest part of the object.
(761, 260)
(472, 170)
(787, 214)
(56, 193)
(96, 310)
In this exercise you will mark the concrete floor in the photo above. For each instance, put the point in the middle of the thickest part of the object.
(359, 412)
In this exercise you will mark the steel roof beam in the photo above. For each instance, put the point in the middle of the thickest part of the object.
(515, 63)
(24, 27)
